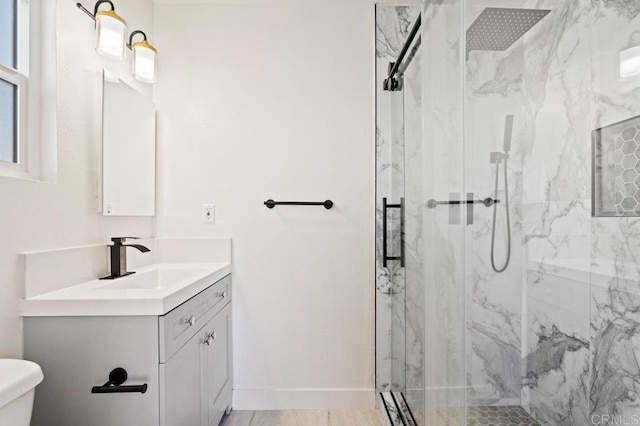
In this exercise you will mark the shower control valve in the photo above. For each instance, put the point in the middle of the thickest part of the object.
(497, 157)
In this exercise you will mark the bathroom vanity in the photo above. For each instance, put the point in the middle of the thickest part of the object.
(167, 326)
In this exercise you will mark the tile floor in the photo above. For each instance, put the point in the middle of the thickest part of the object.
(480, 416)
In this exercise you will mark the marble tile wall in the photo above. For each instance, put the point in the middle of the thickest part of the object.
(494, 300)
(615, 248)
(580, 275)
(559, 331)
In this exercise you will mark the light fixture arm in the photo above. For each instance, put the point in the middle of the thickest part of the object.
(133, 34)
(95, 8)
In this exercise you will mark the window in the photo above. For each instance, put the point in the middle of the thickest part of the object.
(8, 33)
(25, 30)
(13, 86)
(8, 121)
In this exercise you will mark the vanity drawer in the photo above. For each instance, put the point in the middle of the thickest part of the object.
(179, 325)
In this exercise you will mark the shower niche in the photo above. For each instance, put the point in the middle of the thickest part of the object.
(616, 169)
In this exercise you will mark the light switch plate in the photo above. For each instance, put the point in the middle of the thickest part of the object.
(209, 214)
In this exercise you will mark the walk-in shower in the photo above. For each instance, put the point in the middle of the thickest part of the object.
(515, 303)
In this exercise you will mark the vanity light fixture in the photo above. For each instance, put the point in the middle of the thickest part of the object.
(630, 57)
(143, 58)
(111, 31)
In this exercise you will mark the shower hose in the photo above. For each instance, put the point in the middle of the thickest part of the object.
(495, 212)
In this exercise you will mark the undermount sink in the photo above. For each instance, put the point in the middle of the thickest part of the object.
(153, 279)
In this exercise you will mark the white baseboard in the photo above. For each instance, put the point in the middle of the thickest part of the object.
(304, 399)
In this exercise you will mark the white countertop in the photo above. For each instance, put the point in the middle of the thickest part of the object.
(152, 290)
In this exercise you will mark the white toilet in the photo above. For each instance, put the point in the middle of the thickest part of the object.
(18, 381)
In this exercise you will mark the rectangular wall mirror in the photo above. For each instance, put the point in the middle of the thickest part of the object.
(128, 150)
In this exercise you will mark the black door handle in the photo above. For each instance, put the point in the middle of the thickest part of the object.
(385, 208)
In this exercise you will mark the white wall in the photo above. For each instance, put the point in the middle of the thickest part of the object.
(34, 215)
(263, 100)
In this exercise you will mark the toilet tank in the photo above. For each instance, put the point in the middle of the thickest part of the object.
(18, 379)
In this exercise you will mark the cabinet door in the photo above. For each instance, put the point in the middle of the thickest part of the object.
(218, 365)
(183, 385)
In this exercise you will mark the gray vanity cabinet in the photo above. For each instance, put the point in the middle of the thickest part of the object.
(184, 357)
(197, 379)
(217, 379)
(183, 390)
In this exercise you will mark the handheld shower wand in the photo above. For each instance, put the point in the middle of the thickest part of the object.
(497, 158)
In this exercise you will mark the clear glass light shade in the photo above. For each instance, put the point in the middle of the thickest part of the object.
(144, 65)
(111, 32)
(630, 62)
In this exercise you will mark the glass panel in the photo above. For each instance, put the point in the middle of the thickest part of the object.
(399, 309)
(413, 202)
(392, 27)
(443, 225)
(495, 117)
(8, 39)
(387, 36)
(8, 116)
(394, 242)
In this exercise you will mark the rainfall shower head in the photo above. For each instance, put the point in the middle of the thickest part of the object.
(498, 28)
(508, 131)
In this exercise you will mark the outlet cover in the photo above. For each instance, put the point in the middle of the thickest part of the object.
(209, 214)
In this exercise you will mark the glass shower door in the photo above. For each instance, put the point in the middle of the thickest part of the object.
(399, 296)
(444, 214)
(412, 239)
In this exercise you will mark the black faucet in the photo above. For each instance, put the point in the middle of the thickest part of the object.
(119, 257)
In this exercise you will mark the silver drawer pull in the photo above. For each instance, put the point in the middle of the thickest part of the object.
(222, 295)
(190, 321)
(210, 338)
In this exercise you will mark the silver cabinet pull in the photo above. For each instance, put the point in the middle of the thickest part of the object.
(222, 294)
(190, 321)
(210, 338)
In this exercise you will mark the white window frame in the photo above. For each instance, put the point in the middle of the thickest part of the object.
(21, 82)
(35, 82)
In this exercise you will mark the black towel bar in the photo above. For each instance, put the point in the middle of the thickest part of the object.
(271, 204)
